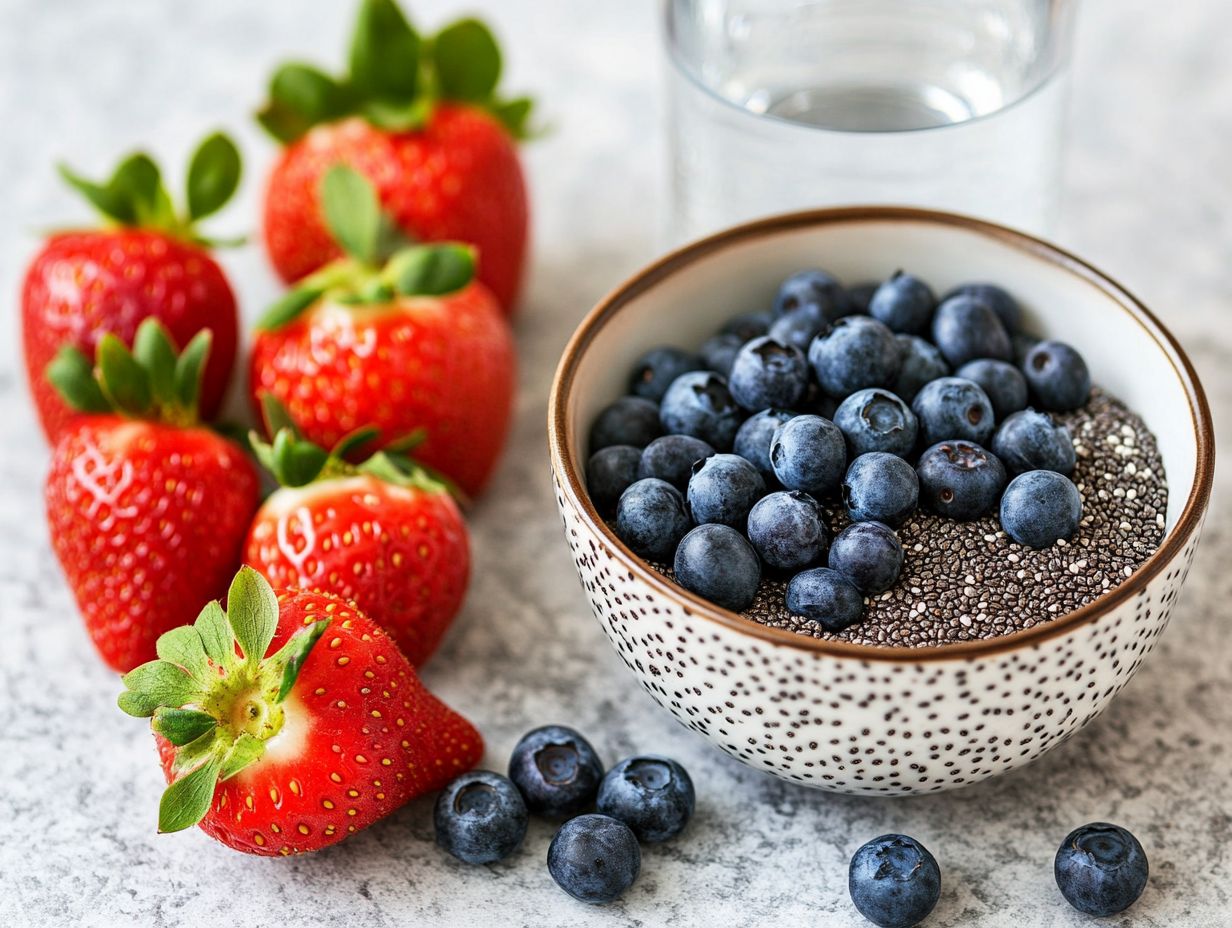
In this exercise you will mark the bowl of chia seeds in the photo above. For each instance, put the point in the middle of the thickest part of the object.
(986, 644)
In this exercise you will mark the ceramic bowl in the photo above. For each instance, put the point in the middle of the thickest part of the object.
(855, 718)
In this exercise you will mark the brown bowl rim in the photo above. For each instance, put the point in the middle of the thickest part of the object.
(569, 474)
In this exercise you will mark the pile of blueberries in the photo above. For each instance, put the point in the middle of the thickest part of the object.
(878, 398)
(481, 817)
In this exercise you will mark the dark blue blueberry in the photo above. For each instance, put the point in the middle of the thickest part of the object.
(808, 453)
(609, 472)
(699, 404)
(557, 771)
(1030, 440)
(717, 563)
(594, 858)
(881, 487)
(723, 489)
(799, 327)
(631, 420)
(754, 437)
(996, 299)
(868, 554)
(953, 408)
(826, 597)
(856, 352)
(960, 480)
(894, 881)
(904, 303)
(921, 363)
(815, 288)
(1021, 344)
(480, 817)
(1057, 375)
(1040, 507)
(876, 420)
(1001, 381)
(651, 518)
(748, 326)
(768, 373)
(1101, 869)
(965, 329)
(671, 458)
(861, 295)
(787, 531)
(652, 795)
(718, 353)
(657, 368)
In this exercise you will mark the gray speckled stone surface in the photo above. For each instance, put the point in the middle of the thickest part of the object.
(1148, 197)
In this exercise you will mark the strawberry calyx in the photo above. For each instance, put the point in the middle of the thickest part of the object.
(395, 78)
(216, 695)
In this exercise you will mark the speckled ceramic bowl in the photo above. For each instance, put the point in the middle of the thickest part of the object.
(855, 718)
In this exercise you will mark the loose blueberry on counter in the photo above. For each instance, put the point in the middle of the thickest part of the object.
(594, 858)
(671, 458)
(868, 554)
(953, 408)
(768, 373)
(754, 436)
(557, 771)
(996, 299)
(826, 597)
(799, 327)
(652, 795)
(904, 303)
(1031, 440)
(1039, 507)
(718, 353)
(812, 288)
(717, 563)
(631, 420)
(808, 453)
(609, 472)
(787, 531)
(480, 817)
(876, 420)
(966, 329)
(1002, 381)
(651, 518)
(921, 363)
(748, 326)
(1057, 376)
(881, 487)
(723, 489)
(861, 295)
(856, 352)
(1101, 869)
(699, 404)
(657, 368)
(894, 881)
(959, 480)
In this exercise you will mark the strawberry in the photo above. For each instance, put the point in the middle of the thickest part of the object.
(291, 721)
(397, 339)
(419, 118)
(145, 263)
(147, 510)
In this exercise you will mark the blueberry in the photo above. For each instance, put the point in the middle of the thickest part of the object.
(787, 531)
(699, 404)
(1021, 345)
(921, 363)
(1040, 507)
(480, 817)
(856, 352)
(894, 881)
(876, 420)
(557, 771)
(767, 373)
(826, 597)
(671, 458)
(657, 368)
(965, 329)
(631, 420)
(808, 453)
(953, 408)
(960, 480)
(754, 437)
(880, 487)
(1057, 376)
(1030, 440)
(996, 299)
(1101, 869)
(904, 303)
(868, 554)
(812, 287)
(594, 858)
(861, 295)
(651, 518)
(609, 472)
(1001, 381)
(717, 563)
(723, 489)
(748, 326)
(799, 327)
(718, 353)
(652, 795)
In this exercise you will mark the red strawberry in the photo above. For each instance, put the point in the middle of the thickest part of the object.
(291, 721)
(147, 515)
(409, 345)
(421, 120)
(147, 263)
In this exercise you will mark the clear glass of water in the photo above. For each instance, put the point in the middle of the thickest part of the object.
(780, 105)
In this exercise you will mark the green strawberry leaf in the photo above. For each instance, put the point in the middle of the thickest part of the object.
(296, 463)
(182, 647)
(138, 180)
(252, 611)
(156, 684)
(384, 58)
(153, 350)
(276, 415)
(215, 633)
(432, 270)
(295, 652)
(399, 116)
(72, 374)
(289, 307)
(408, 442)
(467, 61)
(190, 367)
(247, 749)
(123, 380)
(352, 441)
(181, 726)
(213, 176)
(300, 97)
(113, 204)
(352, 212)
(514, 115)
(186, 801)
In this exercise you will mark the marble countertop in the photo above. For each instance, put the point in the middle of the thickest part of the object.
(1147, 199)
